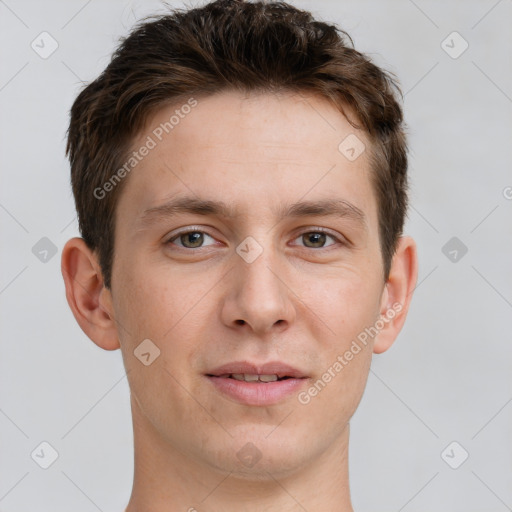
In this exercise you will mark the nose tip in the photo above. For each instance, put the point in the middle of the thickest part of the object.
(258, 298)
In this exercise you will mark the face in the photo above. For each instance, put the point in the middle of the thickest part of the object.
(247, 243)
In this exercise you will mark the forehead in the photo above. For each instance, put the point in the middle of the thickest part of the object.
(252, 149)
(289, 124)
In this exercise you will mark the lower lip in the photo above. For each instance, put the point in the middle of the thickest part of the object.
(257, 393)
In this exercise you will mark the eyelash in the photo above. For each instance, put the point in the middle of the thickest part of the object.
(308, 231)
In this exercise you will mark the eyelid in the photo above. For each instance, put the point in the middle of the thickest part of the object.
(340, 239)
(184, 231)
(312, 229)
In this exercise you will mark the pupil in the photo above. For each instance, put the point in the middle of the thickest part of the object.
(317, 238)
(195, 239)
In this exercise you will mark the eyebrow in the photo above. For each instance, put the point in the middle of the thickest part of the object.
(186, 204)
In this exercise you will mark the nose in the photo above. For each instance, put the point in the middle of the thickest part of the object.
(257, 296)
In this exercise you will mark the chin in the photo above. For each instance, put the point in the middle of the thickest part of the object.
(261, 452)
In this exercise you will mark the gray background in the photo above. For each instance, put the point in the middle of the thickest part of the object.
(447, 378)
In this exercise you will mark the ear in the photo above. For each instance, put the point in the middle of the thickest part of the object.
(89, 300)
(397, 293)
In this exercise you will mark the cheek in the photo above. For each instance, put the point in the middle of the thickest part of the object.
(347, 301)
(152, 307)
(336, 390)
(349, 307)
(154, 302)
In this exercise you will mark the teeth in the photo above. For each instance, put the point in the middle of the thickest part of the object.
(247, 377)
(268, 378)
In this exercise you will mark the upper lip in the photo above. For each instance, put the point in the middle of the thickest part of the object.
(271, 368)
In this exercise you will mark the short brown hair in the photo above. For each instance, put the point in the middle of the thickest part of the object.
(230, 44)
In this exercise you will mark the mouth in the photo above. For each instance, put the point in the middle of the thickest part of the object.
(248, 377)
(258, 385)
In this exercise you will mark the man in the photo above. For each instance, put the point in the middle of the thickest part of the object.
(240, 177)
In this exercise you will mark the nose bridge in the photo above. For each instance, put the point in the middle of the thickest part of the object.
(259, 297)
(260, 276)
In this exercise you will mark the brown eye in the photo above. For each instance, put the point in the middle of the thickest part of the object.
(316, 239)
(190, 239)
(193, 239)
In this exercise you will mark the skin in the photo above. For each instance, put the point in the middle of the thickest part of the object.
(301, 301)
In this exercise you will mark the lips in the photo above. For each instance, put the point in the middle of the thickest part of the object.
(281, 370)
(253, 384)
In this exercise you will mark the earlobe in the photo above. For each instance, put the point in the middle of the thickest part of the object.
(86, 294)
(397, 294)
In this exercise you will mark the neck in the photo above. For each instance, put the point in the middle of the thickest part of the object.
(167, 480)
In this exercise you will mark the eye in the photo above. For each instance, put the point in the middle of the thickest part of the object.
(316, 239)
(190, 239)
(195, 239)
